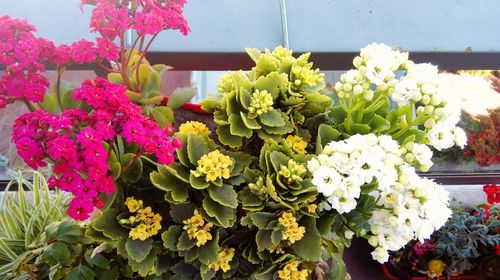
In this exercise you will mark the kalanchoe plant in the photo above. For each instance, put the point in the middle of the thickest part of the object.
(274, 99)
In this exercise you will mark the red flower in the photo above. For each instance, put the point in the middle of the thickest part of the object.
(497, 250)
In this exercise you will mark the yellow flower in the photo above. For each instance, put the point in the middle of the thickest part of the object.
(306, 77)
(133, 204)
(146, 222)
(139, 232)
(293, 232)
(224, 257)
(197, 229)
(291, 272)
(260, 102)
(297, 144)
(293, 172)
(282, 53)
(214, 166)
(436, 267)
(312, 208)
(194, 127)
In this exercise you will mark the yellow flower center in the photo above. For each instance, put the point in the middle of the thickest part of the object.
(194, 127)
(312, 208)
(261, 102)
(224, 257)
(145, 223)
(293, 232)
(197, 229)
(297, 144)
(214, 166)
(291, 272)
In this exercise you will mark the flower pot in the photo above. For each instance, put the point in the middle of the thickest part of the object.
(196, 108)
(388, 275)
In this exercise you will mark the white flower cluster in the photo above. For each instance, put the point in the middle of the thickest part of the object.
(409, 206)
(344, 166)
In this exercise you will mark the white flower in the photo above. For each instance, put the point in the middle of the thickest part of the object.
(327, 180)
(342, 202)
(440, 136)
(348, 234)
(406, 90)
(423, 73)
(459, 137)
(423, 154)
(380, 254)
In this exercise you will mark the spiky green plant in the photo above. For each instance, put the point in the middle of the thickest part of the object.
(24, 214)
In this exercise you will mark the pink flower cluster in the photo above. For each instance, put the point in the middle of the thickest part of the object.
(73, 142)
(22, 54)
(148, 17)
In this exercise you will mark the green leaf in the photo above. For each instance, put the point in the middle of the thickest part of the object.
(209, 105)
(379, 124)
(309, 247)
(326, 134)
(137, 249)
(272, 118)
(185, 243)
(67, 102)
(263, 240)
(237, 126)
(177, 170)
(361, 128)
(163, 116)
(198, 182)
(224, 215)
(224, 195)
(337, 115)
(227, 138)
(208, 253)
(145, 266)
(180, 96)
(253, 53)
(171, 236)
(81, 272)
(262, 219)
(98, 261)
(197, 147)
(134, 171)
(107, 223)
(250, 123)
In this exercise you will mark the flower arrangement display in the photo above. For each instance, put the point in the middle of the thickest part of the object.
(292, 173)
(467, 244)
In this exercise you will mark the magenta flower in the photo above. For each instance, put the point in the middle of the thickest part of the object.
(80, 209)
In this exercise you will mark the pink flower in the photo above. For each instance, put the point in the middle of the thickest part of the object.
(80, 209)
(83, 51)
(107, 49)
(61, 148)
(70, 181)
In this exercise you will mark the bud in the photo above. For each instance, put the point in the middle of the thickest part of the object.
(409, 157)
(381, 87)
(347, 87)
(368, 95)
(425, 99)
(338, 86)
(403, 179)
(436, 100)
(430, 123)
(409, 146)
(428, 89)
(373, 241)
(357, 61)
(416, 97)
(357, 89)
(429, 109)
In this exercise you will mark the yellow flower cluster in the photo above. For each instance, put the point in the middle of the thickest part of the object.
(226, 84)
(297, 144)
(194, 127)
(214, 166)
(291, 272)
(197, 229)
(282, 53)
(224, 257)
(306, 77)
(145, 223)
(436, 267)
(293, 232)
(293, 172)
(261, 102)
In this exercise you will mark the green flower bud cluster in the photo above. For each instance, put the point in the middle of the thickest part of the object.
(353, 83)
(259, 188)
(293, 172)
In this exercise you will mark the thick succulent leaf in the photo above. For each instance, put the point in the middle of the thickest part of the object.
(163, 116)
(137, 249)
(184, 242)
(269, 83)
(134, 171)
(337, 115)
(197, 146)
(171, 236)
(224, 195)
(272, 118)
(238, 127)
(145, 266)
(180, 96)
(224, 215)
(181, 212)
(198, 182)
(263, 240)
(326, 134)
(208, 253)
(164, 180)
(227, 138)
(250, 123)
(262, 219)
(177, 170)
(309, 247)
(108, 224)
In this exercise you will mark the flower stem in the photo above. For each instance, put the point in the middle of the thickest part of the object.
(129, 163)
(60, 70)
(140, 61)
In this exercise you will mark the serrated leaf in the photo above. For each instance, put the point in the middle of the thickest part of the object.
(227, 138)
(107, 223)
(137, 249)
(208, 253)
(185, 243)
(225, 195)
(224, 215)
(134, 170)
(262, 219)
(272, 118)
(197, 147)
(171, 236)
(237, 126)
(145, 266)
